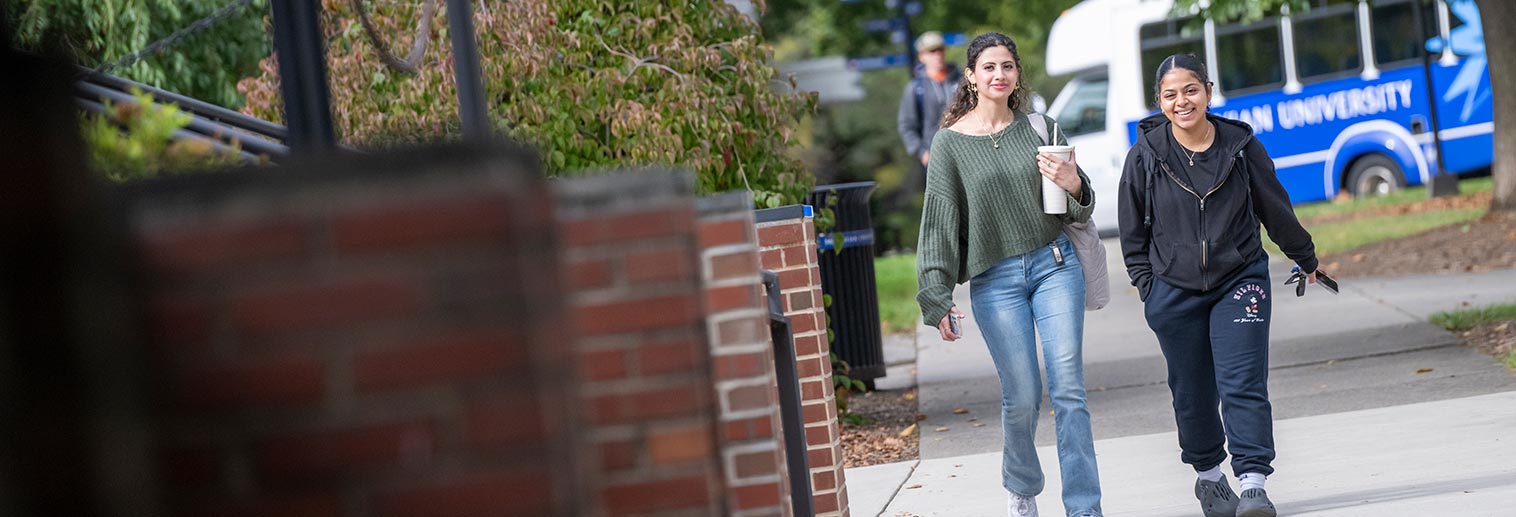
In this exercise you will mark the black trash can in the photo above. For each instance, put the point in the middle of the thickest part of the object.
(847, 274)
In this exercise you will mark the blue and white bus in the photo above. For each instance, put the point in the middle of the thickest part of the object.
(1340, 95)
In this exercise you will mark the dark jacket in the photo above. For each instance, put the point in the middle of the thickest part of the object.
(921, 107)
(1196, 236)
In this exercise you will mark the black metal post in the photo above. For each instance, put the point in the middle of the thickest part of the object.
(910, 36)
(788, 379)
(1442, 183)
(471, 108)
(302, 75)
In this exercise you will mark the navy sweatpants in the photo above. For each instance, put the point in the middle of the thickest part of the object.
(1216, 344)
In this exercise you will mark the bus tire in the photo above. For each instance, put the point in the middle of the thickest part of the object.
(1374, 175)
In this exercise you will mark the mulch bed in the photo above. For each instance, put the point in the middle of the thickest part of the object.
(1485, 244)
(879, 440)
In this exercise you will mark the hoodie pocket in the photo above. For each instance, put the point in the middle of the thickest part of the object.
(1224, 259)
(1180, 261)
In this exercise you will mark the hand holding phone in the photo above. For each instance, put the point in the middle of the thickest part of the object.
(952, 325)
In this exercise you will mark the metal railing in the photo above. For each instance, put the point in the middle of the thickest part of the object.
(790, 416)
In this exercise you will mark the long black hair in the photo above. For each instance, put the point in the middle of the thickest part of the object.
(964, 100)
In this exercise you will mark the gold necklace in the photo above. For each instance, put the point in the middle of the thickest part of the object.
(1192, 154)
(993, 139)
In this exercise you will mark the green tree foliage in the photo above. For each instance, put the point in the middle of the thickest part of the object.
(591, 83)
(205, 66)
(133, 141)
(1240, 10)
(814, 28)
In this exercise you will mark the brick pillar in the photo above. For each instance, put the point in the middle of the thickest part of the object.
(751, 435)
(787, 245)
(371, 336)
(644, 372)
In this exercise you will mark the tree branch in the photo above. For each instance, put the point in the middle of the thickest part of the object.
(411, 63)
(639, 62)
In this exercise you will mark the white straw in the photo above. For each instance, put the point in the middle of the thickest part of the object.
(1055, 132)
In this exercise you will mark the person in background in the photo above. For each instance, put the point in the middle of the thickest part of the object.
(983, 222)
(921, 105)
(1194, 191)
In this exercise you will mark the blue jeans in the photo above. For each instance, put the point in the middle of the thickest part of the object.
(1014, 301)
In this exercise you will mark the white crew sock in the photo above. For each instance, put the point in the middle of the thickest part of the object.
(1250, 481)
(1212, 475)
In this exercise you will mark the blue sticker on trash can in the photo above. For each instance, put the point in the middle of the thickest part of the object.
(850, 238)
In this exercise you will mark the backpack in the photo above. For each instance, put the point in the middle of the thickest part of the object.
(1086, 240)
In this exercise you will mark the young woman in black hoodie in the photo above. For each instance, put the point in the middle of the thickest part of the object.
(1194, 190)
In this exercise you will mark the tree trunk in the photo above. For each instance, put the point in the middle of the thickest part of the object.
(1500, 48)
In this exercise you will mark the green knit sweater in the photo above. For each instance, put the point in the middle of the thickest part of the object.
(983, 205)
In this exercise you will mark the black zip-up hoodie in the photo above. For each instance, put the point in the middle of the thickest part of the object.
(1196, 236)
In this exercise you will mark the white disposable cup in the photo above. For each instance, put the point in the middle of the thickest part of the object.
(1055, 200)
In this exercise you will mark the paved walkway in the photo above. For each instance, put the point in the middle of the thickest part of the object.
(1450, 457)
(1364, 351)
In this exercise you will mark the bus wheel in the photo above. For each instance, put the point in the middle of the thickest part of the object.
(1374, 175)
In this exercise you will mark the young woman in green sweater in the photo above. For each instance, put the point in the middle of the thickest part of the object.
(983, 223)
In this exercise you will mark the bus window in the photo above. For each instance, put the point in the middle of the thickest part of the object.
(1163, 39)
(1326, 42)
(1396, 40)
(1250, 56)
(1084, 112)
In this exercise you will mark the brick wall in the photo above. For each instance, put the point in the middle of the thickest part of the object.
(633, 272)
(372, 337)
(742, 353)
(787, 245)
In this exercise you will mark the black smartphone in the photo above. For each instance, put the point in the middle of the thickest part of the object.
(1326, 281)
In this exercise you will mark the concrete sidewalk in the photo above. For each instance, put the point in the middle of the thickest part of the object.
(1449, 457)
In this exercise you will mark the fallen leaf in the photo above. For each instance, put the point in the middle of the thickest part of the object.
(913, 487)
(960, 411)
(908, 431)
(920, 417)
(976, 419)
(910, 396)
(980, 424)
(1423, 370)
(942, 429)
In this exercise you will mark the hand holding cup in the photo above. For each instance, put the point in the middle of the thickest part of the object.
(1060, 173)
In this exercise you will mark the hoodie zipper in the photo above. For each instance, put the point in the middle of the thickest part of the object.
(1205, 282)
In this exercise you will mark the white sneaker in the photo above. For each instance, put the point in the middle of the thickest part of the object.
(1023, 506)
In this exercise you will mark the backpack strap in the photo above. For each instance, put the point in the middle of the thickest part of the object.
(1040, 125)
(1247, 183)
(918, 87)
